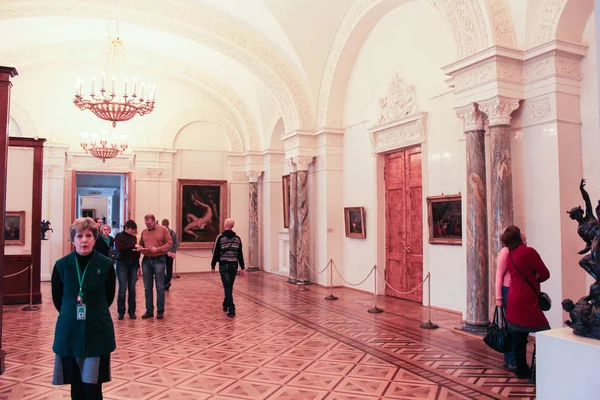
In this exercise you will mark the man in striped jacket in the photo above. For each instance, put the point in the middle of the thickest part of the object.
(227, 251)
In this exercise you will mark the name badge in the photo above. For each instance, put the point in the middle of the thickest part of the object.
(81, 312)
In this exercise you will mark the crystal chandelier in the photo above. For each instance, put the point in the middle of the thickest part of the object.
(102, 146)
(107, 103)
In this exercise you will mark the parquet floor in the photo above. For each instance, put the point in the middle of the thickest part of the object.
(284, 344)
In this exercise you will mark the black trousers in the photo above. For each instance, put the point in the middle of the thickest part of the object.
(228, 272)
(520, 349)
(86, 391)
(168, 271)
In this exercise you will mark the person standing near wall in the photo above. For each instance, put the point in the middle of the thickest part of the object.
(227, 251)
(154, 243)
(170, 254)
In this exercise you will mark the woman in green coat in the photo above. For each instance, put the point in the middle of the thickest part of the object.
(83, 288)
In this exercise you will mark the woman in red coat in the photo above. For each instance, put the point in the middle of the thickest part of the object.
(523, 311)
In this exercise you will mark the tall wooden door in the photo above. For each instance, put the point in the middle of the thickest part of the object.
(404, 223)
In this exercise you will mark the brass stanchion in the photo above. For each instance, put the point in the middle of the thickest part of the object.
(375, 309)
(429, 324)
(175, 276)
(301, 286)
(31, 307)
(331, 296)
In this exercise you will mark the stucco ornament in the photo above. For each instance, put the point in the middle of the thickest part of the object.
(471, 117)
(499, 109)
(400, 101)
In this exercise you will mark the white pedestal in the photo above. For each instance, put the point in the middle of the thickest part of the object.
(567, 366)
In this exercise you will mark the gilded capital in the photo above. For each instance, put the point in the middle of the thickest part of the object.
(499, 109)
(471, 117)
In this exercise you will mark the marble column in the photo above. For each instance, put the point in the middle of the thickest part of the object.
(498, 111)
(477, 318)
(302, 235)
(293, 275)
(6, 73)
(253, 248)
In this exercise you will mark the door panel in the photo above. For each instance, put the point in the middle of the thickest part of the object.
(404, 223)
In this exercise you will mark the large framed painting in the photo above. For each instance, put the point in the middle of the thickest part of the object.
(354, 218)
(285, 181)
(445, 219)
(201, 212)
(88, 213)
(14, 228)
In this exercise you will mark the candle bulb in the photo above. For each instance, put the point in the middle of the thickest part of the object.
(103, 79)
(80, 87)
(143, 88)
(93, 82)
(113, 85)
(125, 91)
(135, 86)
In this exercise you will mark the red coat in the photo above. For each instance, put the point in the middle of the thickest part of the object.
(523, 307)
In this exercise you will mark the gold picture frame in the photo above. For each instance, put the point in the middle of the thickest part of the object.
(14, 228)
(444, 217)
(354, 218)
(201, 212)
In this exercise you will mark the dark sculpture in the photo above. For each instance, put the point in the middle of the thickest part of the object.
(46, 228)
(585, 314)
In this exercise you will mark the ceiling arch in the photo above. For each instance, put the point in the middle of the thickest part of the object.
(558, 19)
(23, 119)
(204, 25)
(500, 22)
(222, 93)
(205, 115)
(464, 17)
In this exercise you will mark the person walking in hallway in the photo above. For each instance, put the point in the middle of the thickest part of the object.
(128, 263)
(227, 251)
(83, 288)
(154, 243)
(104, 242)
(170, 254)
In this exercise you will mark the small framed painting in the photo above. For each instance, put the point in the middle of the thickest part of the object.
(14, 228)
(445, 219)
(88, 213)
(285, 181)
(354, 218)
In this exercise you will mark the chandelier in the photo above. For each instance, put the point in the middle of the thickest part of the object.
(107, 103)
(102, 146)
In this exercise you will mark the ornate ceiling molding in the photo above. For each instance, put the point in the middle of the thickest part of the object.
(23, 119)
(465, 18)
(503, 29)
(545, 21)
(203, 25)
(44, 55)
(179, 122)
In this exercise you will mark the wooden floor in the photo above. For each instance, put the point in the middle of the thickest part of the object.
(283, 344)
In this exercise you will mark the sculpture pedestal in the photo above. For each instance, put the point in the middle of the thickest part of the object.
(566, 365)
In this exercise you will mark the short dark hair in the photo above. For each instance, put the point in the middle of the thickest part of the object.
(165, 222)
(130, 225)
(511, 237)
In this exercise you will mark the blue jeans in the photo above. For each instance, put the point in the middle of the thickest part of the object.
(127, 277)
(509, 358)
(153, 268)
(228, 272)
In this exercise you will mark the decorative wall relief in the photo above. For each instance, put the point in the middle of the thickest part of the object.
(400, 101)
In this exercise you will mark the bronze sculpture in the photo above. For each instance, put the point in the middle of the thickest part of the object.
(45, 228)
(585, 314)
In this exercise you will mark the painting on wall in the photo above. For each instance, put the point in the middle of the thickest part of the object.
(354, 218)
(14, 228)
(445, 219)
(88, 213)
(285, 181)
(201, 212)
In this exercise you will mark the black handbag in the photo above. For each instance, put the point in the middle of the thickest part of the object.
(543, 298)
(498, 337)
(113, 254)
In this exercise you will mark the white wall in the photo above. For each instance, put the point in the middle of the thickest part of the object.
(98, 203)
(412, 42)
(19, 196)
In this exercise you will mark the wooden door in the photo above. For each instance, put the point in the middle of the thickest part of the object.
(404, 223)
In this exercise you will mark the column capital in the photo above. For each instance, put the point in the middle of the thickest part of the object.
(253, 175)
(302, 162)
(291, 164)
(498, 109)
(471, 117)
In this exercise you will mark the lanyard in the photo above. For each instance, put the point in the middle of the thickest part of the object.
(81, 278)
(107, 240)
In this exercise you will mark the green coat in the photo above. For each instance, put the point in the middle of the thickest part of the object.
(96, 335)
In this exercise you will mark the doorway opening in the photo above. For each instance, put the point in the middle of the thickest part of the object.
(104, 196)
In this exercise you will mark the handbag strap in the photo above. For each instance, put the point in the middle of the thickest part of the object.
(523, 276)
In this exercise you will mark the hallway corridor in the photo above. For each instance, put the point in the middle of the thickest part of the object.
(284, 344)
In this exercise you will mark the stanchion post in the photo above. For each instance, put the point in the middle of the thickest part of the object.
(301, 286)
(429, 324)
(375, 309)
(331, 296)
(31, 307)
(175, 276)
